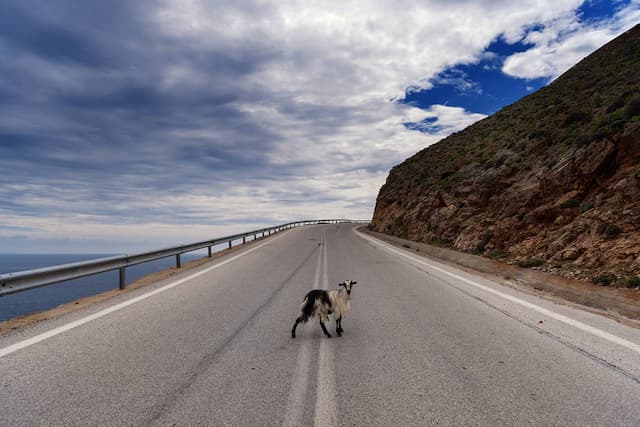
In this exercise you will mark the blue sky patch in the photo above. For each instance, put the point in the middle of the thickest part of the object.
(597, 10)
(482, 87)
(428, 125)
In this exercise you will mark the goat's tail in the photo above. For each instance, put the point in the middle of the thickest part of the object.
(315, 300)
(307, 308)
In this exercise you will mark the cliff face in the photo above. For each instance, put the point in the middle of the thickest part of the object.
(551, 180)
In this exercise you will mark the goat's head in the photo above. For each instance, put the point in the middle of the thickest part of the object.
(347, 284)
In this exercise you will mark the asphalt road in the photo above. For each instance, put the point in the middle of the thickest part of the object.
(424, 344)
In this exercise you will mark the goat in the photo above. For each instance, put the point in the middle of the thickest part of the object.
(323, 303)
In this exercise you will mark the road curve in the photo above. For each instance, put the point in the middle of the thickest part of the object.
(424, 344)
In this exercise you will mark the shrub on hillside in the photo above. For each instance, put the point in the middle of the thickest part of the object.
(484, 240)
(585, 206)
(571, 203)
(633, 107)
(604, 279)
(616, 104)
(607, 126)
(579, 116)
(612, 230)
(540, 134)
(633, 282)
(531, 262)
(497, 254)
(582, 140)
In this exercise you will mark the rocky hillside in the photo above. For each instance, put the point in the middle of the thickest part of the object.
(551, 181)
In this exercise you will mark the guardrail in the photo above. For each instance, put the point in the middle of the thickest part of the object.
(11, 283)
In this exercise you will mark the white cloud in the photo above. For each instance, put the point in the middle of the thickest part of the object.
(565, 40)
(303, 107)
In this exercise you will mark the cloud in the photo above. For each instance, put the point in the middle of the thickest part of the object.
(459, 79)
(141, 125)
(565, 40)
(442, 120)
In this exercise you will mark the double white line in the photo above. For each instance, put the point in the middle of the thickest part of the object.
(325, 410)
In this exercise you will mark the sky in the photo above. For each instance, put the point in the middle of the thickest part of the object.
(127, 126)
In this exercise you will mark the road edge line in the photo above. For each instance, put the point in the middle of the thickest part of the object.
(64, 328)
(562, 318)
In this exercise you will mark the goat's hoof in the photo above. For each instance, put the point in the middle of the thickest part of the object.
(339, 334)
(293, 335)
(328, 335)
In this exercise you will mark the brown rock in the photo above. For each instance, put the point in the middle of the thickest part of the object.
(508, 181)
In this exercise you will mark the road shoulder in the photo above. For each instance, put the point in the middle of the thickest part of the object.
(622, 305)
(19, 323)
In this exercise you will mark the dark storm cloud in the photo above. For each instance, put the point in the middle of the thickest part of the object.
(86, 112)
(49, 41)
(208, 112)
(92, 125)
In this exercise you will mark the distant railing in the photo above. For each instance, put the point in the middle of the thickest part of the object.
(11, 283)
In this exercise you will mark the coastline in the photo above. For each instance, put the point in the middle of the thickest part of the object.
(20, 322)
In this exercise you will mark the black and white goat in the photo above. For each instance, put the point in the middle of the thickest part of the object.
(323, 303)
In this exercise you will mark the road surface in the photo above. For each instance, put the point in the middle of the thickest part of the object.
(424, 344)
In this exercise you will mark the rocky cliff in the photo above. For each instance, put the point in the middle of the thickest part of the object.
(551, 181)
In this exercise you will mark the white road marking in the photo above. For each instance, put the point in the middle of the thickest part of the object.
(56, 331)
(325, 414)
(569, 321)
(294, 411)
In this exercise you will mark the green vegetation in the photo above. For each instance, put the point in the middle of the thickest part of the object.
(513, 165)
(578, 116)
(571, 203)
(452, 179)
(616, 104)
(605, 279)
(612, 230)
(586, 206)
(608, 125)
(484, 240)
(633, 108)
(633, 282)
(497, 254)
(531, 262)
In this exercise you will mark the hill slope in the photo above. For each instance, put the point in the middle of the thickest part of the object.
(553, 179)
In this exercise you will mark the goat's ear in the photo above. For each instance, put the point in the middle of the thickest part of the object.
(354, 283)
(342, 284)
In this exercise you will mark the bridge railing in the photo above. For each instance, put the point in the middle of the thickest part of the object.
(11, 283)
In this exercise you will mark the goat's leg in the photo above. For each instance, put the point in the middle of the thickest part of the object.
(295, 325)
(339, 326)
(324, 329)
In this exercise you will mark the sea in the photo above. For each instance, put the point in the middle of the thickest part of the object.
(51, 296)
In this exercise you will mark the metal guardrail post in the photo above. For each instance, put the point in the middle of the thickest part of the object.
(178, 263)
(244, 240)
(229, 244)
(123, 281)
(209, 251)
